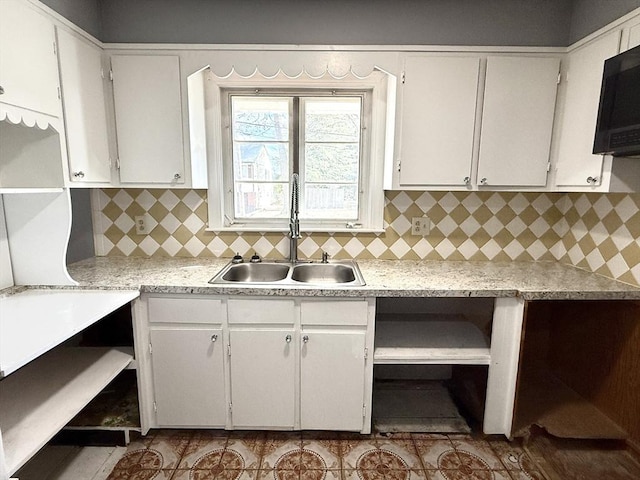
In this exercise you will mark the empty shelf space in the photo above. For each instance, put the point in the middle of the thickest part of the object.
(429, 339)
(416, 407)
(40, 399)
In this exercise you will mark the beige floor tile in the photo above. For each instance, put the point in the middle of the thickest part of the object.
(353, 452)
(171, 449)
(277, 451)
(198, 447)
(329, 451)
(478, 448)
(404, 448)
(431, 451)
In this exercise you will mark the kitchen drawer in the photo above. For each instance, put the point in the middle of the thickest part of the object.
(334, 312)
(261, 311)
(185, 310)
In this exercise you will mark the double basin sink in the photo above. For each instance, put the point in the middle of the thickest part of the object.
(338, 273)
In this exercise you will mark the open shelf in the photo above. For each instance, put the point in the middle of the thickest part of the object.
(429, 340)
(36, 320)
(40, 399)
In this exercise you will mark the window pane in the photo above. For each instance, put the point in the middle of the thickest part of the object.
(330, 201)
(260, 118)
(332, 162)
(332, 120)
(261, 200)
(260, 161)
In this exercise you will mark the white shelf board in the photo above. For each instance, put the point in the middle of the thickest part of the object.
(429, 340)
(36, 320)
(40, 399)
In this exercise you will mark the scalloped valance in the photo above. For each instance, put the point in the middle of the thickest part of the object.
(28, 118)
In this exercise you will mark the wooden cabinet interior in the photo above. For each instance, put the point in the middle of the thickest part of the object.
(579, 370)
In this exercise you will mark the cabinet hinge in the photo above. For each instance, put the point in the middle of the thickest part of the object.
(59, 94)
(228, 350)
(364, 411)
(230, 407)
(102, 73)
(150, 349)
(548, 167)
(399, 165)
(55, 48)
(402, 77)
(111, 74)
(118, 163)
(559, 78)
(155, 406)
(366, 353)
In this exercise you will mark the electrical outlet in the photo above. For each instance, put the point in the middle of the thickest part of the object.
(143, 224)
(420, 226)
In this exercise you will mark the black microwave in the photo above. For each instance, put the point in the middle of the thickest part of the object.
(618, 126)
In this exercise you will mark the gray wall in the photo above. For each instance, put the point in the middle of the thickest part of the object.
(590, 15)
(81, 241)
(347, 22)
(84, 13)
(449, 22)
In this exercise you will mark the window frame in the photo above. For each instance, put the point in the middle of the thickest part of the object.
(376, 152)
(323, 224)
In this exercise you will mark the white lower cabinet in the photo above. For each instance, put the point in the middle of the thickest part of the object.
(332, 380)
(262, 378)
(188, 377)
(238, 362)
(186, 359)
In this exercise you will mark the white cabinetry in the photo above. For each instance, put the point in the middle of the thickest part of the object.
(187, 359)
(438, 119)
(256, 362)
(82, 79)
(263, 363)
(28, 65)
(332, 365)
(148, 113)
(576, 165)
(452, 137)
(517, 121)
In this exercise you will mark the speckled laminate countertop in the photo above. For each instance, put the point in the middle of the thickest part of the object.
(384, 278)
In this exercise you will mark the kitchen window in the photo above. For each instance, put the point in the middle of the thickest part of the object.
(317, 134)
(331, 132)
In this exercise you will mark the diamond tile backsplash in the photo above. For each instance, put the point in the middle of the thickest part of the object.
(595, 231)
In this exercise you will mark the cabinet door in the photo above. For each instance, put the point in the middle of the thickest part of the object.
(28, 64)
(332, 375)
(262, 378)
(188, 377)
(148, 110)
(438, 120)
(517, 121)
(85, 116)
(575, 162)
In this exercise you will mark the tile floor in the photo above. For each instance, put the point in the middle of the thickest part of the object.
(221, 455)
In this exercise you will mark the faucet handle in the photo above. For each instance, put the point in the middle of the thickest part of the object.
(325, 257)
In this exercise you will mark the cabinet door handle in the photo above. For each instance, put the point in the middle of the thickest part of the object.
(287, 339)
(1, 89)
(592, 180)
(467, 180)
(79, 174)
(177, 176)
(305, 339)
(214, 337)
(483, 180)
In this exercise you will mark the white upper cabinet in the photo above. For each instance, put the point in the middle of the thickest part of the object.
(82, 79)
(517, 121)
(446, 143)
(28, 64)
(576, 165)
(148, 114)
(438, 119)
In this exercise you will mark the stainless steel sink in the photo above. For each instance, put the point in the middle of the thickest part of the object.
(323, 273)
(256, 272)
(337, 273)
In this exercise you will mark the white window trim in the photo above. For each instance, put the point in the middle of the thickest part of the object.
(380, 145)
